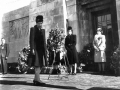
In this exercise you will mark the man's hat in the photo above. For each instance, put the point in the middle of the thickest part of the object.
(39, 18)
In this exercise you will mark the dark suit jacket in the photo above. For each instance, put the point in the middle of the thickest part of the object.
(4, 52)
(36, 43)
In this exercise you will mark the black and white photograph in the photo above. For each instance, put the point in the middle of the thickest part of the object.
(59, 45)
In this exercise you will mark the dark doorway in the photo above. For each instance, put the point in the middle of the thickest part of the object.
(102, 13)
(103, 19)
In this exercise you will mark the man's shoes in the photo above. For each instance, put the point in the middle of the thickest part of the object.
(36, 83)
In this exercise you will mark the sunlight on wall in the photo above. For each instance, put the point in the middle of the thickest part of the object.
(65, 15)
(10, 5)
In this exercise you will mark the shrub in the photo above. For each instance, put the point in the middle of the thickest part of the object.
(115, 60)
(86, 56)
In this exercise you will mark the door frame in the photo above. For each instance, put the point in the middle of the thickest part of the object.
(94, 18)
(94, 26)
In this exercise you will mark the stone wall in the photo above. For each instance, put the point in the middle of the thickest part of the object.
(80, 20)
(84, 26)
(73, 19)
(52, 10)
(118, 17)
(17, 23)
(15, 30)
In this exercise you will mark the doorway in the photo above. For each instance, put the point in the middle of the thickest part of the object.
(103, 19)
(102, 13)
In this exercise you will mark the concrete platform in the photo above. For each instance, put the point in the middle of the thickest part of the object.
(81, 81)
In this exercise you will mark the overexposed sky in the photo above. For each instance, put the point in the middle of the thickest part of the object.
(10, 5)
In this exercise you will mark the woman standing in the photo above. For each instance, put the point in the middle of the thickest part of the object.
(70, 43)
(38, 48)
(99, 44)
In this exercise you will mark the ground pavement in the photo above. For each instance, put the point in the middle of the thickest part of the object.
(81, 81)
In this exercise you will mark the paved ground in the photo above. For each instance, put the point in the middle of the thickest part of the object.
(81, 81)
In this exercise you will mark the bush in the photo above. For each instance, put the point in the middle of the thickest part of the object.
(86, 56)
(115, 61)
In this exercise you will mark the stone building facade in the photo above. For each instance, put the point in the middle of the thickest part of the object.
(16, 30)
(83, 15)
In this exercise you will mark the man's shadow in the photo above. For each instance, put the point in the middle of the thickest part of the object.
(8, 82)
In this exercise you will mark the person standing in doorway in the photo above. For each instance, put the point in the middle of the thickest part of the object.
(99, 44)
(38, 49)
(4, 53)
(70, 43)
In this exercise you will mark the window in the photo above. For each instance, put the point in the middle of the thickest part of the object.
(104, 21)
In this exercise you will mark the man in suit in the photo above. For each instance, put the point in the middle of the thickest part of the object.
(4, 52)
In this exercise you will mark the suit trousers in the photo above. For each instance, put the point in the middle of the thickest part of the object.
(3, 65)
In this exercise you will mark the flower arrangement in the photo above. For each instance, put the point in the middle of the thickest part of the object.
(22, 60)
(21, 66)
(55, 39)
(55, 42)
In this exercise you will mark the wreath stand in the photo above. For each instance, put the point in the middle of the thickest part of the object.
(65, 58)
